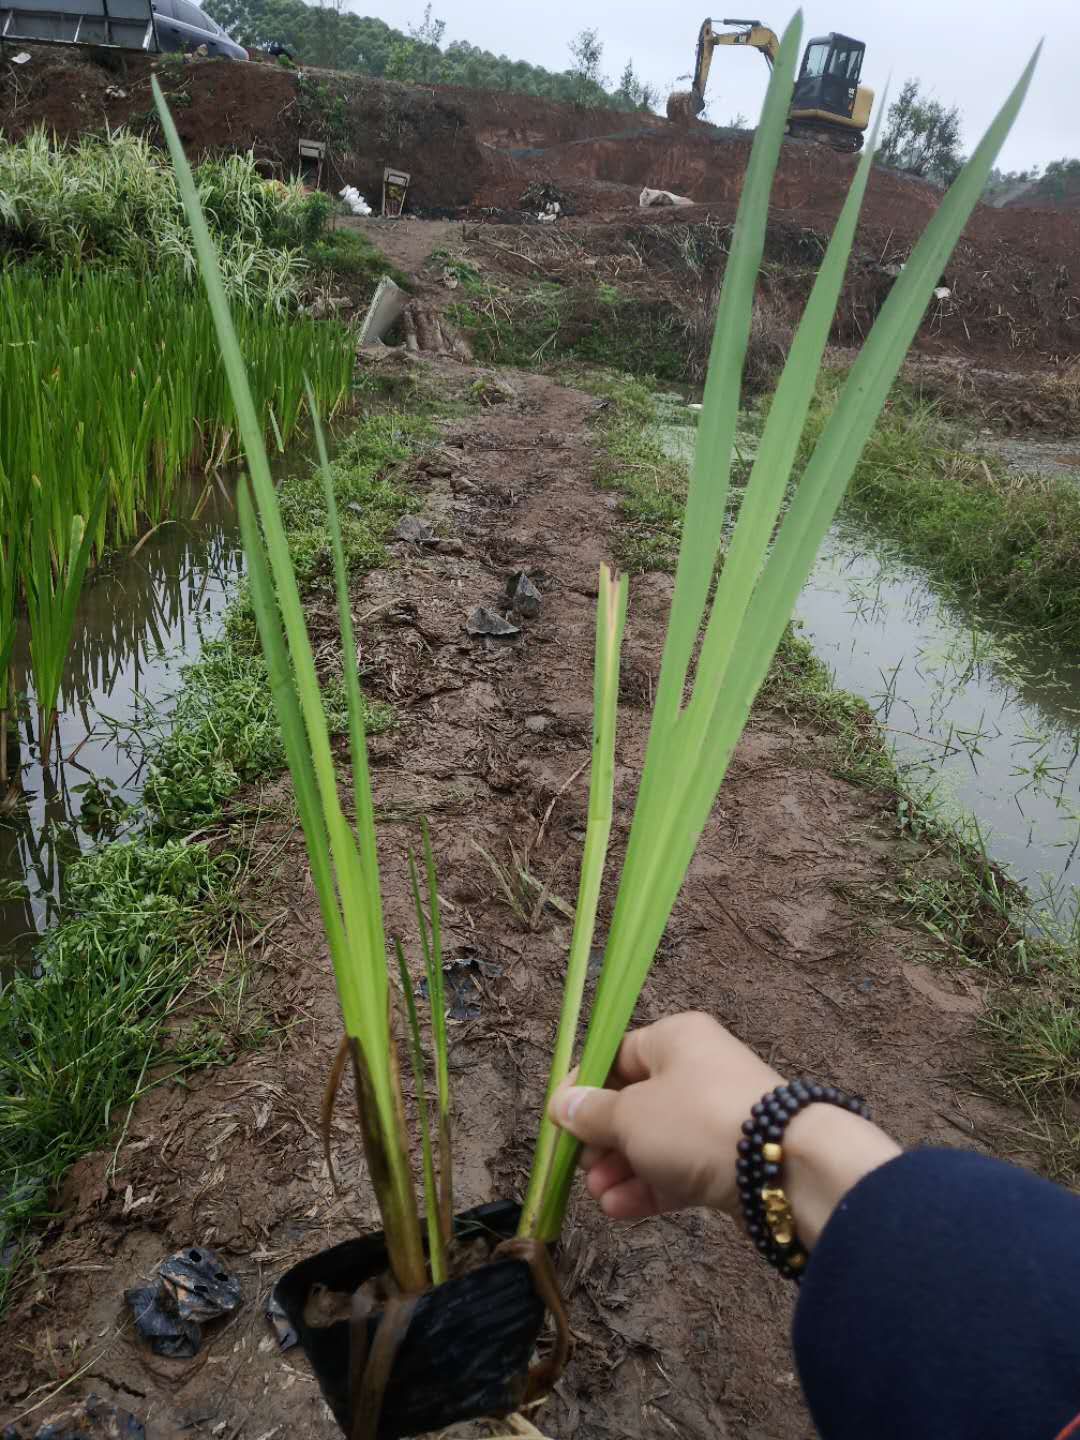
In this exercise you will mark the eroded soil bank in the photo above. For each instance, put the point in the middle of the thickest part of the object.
(678, 1327)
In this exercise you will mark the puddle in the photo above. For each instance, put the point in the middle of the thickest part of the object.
(985, 716)
(1055, 459)
(139, 621)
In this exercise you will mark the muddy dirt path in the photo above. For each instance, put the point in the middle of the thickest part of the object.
(679, 1328)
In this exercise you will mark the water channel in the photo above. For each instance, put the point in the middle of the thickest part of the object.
(141, 618)
(983, 717)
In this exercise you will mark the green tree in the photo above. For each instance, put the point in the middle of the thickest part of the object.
(633, 93)
(922, 136)
(586, 51)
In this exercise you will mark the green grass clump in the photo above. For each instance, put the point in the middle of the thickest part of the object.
(76, 1037)
(596, 324)
(371, 500)
(110, 202)
(351, 255)
(1011, 542)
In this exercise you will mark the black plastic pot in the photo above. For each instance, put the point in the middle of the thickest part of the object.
(467, 1347)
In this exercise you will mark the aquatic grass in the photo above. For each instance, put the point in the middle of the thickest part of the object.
(110, 394)
(1011, 542)
(701, 708)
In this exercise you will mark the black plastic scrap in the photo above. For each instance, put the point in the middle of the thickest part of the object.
(192, 1288)
(483, 621)
(91, 1419)
(524, 596)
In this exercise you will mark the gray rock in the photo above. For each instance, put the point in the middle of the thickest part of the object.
(537, 724)
(524, 596)
(414, 529)
(483, 621)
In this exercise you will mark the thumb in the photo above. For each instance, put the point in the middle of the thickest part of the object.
(587, 1113)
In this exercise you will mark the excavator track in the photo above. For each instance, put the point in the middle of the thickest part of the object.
(846, 142)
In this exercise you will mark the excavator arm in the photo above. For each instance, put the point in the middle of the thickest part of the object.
(683, 105)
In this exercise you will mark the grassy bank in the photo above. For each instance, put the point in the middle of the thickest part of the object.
(1010, 542)
(79, 1037)
(944, 885)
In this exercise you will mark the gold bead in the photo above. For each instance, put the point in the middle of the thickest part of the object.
(772, 1153)
(797, 1261)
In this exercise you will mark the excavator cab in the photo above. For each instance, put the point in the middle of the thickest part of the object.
(829, 78)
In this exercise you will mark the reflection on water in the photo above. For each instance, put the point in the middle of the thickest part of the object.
(986, 714)
(139, 621)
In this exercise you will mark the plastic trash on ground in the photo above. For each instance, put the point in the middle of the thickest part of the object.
(355, 201)
(649, 198)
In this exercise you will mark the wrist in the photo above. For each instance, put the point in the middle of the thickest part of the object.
(827, 1151)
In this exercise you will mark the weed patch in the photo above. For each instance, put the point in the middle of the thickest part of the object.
(596, 324)
(349, 254)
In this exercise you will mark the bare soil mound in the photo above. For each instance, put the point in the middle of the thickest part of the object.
(1011, 281)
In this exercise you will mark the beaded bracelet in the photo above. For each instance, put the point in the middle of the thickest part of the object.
(766, 1209)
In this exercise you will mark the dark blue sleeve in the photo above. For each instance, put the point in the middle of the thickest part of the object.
(942, 1302)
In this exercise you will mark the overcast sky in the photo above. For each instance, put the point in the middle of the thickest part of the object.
(965, 51)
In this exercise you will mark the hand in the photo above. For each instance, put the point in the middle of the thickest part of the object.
(663, 1135)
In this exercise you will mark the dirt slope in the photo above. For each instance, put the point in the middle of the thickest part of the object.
(474, 153)
(678, 1326)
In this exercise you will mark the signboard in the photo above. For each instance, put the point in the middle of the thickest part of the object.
(119, 24)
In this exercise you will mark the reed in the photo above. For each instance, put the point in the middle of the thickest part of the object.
(111, 391)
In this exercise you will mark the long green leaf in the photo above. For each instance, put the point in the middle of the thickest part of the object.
(610, 623)
(689, 763)
(360, 967)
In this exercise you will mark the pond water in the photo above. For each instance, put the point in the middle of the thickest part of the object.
(983, 717)
(141, 618)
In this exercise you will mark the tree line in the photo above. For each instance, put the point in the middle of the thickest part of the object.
(330, 36)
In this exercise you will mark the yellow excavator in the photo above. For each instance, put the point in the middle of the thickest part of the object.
(829, 104)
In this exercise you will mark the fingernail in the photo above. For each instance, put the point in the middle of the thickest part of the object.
(572, 1101)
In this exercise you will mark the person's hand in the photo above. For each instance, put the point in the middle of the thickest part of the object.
(664, 1134)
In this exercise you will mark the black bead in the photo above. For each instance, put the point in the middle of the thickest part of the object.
(853, 1105)
(742, 1167)
(816, 1092)
(743, 1147)
(831, 1094)
(774, 1132)
(762, 1244)
(770, 1171)
(747, 1127)
(759, 1109)
(800, 1091)
(753, 1229)
(781, 1095)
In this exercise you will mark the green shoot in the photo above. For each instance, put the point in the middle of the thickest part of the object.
(436, 1239)
(610, 622)
(692, 736)
(344, 864)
